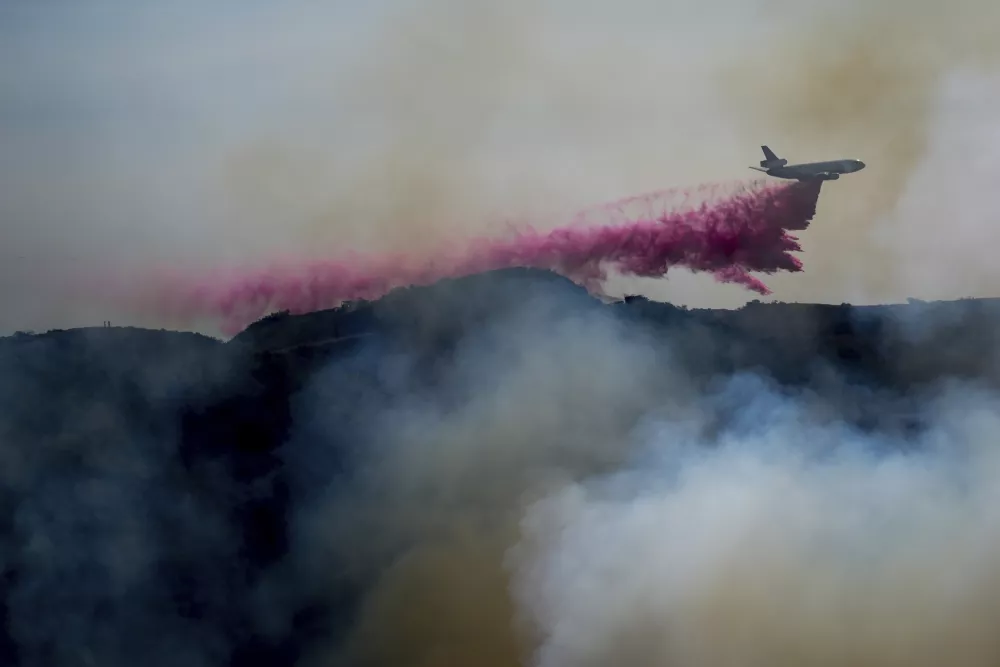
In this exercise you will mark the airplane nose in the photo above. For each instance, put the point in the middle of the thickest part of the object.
(859, 165)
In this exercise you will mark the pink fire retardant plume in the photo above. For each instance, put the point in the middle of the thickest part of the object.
(745, 232)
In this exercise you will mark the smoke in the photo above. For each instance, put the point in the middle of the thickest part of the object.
(439, 469)
(944, 218)
(587, 501)
(566, 489)
(783, 540)
(746, 232)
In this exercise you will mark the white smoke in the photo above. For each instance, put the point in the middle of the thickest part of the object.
(782, 541)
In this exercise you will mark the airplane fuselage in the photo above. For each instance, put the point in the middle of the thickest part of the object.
(829, 170)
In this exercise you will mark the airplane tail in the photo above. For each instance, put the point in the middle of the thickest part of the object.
(770, 159)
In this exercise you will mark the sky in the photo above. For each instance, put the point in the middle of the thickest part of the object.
(193, 136)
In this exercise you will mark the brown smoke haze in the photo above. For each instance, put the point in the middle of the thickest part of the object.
(511, 111)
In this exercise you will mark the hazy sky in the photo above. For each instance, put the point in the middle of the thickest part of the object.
(187, 134)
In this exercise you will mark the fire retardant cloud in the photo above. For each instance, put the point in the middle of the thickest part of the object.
(744, 232)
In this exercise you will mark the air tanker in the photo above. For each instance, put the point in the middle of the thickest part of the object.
(772, 165)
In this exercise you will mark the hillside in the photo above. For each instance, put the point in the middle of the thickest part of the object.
(172, 499)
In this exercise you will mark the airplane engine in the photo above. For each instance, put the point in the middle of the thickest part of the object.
(831, 177)
(770, 164)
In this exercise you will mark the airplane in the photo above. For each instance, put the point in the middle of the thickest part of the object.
(772, 165)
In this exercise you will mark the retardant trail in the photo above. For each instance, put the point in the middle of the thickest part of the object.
(742, 233)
